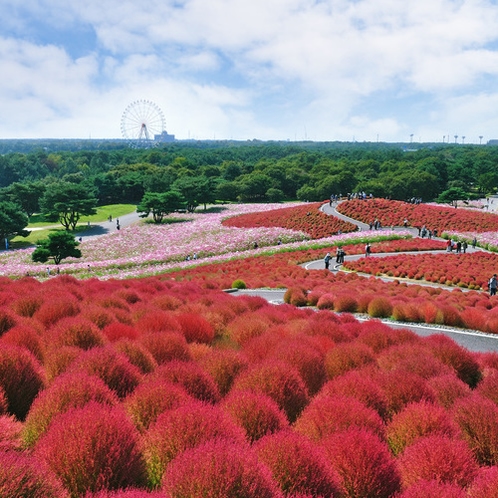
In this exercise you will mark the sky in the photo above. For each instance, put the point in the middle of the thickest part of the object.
(321, 70)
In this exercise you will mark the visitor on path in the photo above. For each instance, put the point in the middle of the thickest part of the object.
(474, 243)
(464, 246)
(368, 250)
(327, 259)
(493, 284)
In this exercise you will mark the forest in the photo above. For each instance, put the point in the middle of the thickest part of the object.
(256, 171)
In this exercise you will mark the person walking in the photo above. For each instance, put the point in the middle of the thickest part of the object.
(327, 259)
(493, 284)
(368, 250)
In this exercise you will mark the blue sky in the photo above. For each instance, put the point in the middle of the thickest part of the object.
(366, 70)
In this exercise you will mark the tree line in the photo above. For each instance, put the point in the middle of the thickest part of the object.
(65, 185)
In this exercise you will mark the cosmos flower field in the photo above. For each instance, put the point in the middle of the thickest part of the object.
(167, 386)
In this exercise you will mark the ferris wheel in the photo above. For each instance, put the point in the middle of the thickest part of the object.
(142, 120)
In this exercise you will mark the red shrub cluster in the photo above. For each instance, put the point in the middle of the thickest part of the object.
(305, 218)
(441, 218)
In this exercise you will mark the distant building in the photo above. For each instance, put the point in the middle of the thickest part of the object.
(164, 137)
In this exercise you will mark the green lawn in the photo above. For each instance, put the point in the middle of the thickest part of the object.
(37, 221)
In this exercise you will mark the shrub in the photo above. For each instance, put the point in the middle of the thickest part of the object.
(327, 415)
(295, 296)
(127, 493)
(448, 388)
(256, 413)
(380, 307)
(54, 308)
(455, 356)
(70, 390)
(58, 360)
(401, 388)
(92, 448)
(424, 489)
(364, 466)
(10, 434)
(115, 331)
(344, 303)
(74, 331)
(113, 368)
(406, 312)
(359, 385)
(219, 469)
(27, 305)
(277, 380)
(196, 381)
(184, 427)
(325, 301)
(25, 335)
(137, 355)
(418, 420)
(21, 378)
(239, 284)
(196, 328)
(151, 398)
(296, 464)
(379, 336)
(7, 320)
(24, 476)
(97, 315)
(485, 485)
(166, 346)
(305, 359)
(437, 458)
(348, 356)
(157, 321)
(223, 365)
(477, 418)
(412, 358)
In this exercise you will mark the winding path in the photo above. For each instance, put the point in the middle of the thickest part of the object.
(470, 339)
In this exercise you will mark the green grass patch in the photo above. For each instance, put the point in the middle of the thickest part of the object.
(103, 213)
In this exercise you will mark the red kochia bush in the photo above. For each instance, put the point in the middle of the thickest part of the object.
(195, 328)
(56, 307)
(113, 368)
(21, 377)
(128, 493)
(477, 418)
(440, 458)
(326, 415)
(348, 356)
(223, 365)
(92, 448)
(256, 413)
(358, 384)
(25, 335)
(70, 390)
(151, 398)
(401, 388)
(419, 420)
(296, 464)
(455, 356)
(25, 476)
(137, 355)
(184, 427)
(7, 320)
(485, 484)
(363, 463)
(425, 489)
(115, 331)
(448, 388)
(166, 346)
(197, 382)
(74, 331)
(279, 381)
(10, 433)
(219, 469)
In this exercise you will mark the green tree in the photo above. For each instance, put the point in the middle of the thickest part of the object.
(160, 204)
(12, 221)
(67, 202)
(58, 246)
(26, 195)
(452, 196)
(195, 190)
